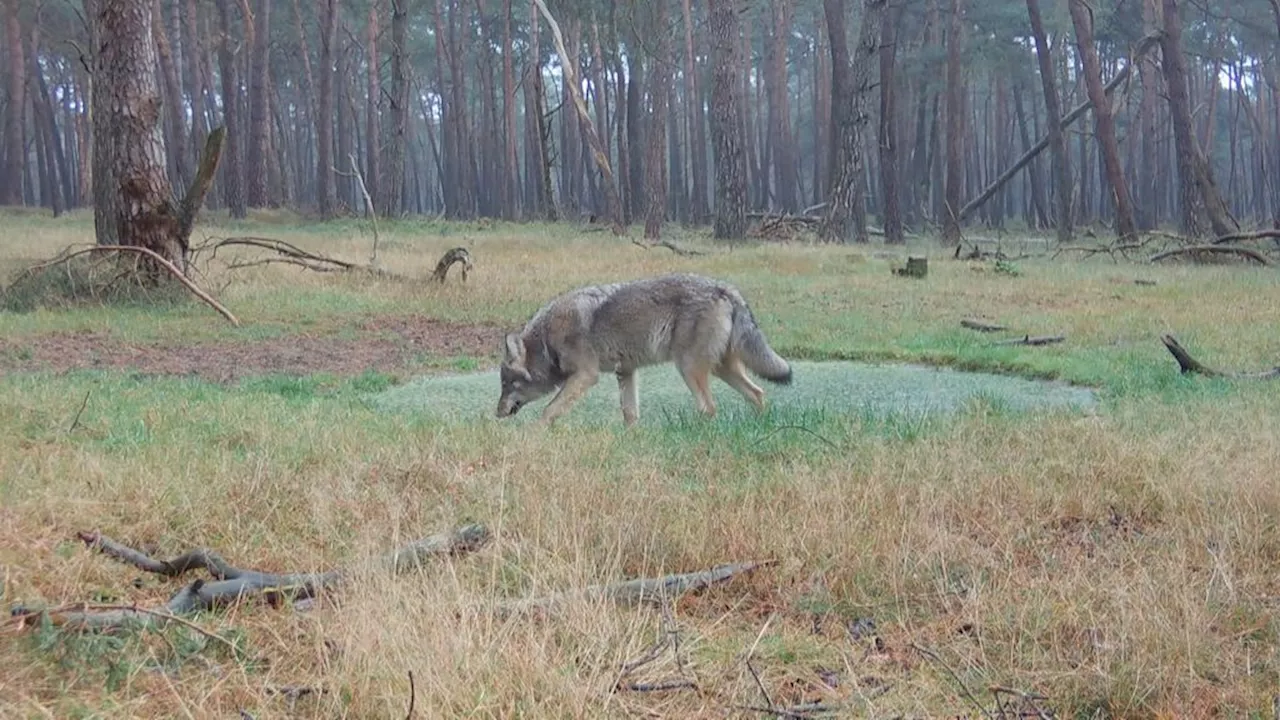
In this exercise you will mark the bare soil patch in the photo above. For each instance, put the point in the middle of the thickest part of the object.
(385, 344)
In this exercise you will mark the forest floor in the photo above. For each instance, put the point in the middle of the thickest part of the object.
(1118, 561)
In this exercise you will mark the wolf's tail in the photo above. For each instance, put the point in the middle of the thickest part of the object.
(750, 344)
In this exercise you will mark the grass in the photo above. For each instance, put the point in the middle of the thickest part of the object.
(1120, 562)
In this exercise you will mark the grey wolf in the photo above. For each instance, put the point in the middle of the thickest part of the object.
(702, 325)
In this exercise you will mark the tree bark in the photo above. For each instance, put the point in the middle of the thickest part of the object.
(372, 119)
(510, 166)
(727, 129)
(258, 35)
(232, 117)
(655, 161)
(1057, 142)
(785, 177)
(176, 136)
(1105, 127)
(324, 109)
(129, 120)
(889, 170)
(393, 195)
(955, 128)
(15, 143)
(850, 83)
(697, 125)
(1199, 193)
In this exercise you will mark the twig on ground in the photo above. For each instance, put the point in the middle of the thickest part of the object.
(1033, 340)
(683, 252)
(413, 697)
(802, 428)
(1190, 366)
(799, 712)
(964, 689)
(1029, 703)
(289, 254)
(675, 684)
(768, 701)
(75, 421)
(74, 616)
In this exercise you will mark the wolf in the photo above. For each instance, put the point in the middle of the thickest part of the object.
(700, 324)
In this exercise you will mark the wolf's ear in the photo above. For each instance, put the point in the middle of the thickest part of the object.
(513, 350)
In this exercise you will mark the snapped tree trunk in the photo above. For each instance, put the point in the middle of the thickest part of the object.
(850, 82)
(727, 141)
(1104, 123)
(128, 118)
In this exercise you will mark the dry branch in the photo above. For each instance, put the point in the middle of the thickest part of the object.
(1190, 366)
(982, 326)
(231, 584)
(288, 254)
(194, 199)
(65, 257)
(1034, 340)
(456, 255)
(1247, 236)
(634, 592)
(683, 252)
(1194, 250)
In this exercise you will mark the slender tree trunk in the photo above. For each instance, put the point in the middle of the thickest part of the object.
(1036, 179)
(511, 209)
(192, 52)
(1082, 19)
(889, 127)
(955, 128)
(55, 194)
(1057, 141)
(1199, 193)
(785, 175)
(697, 125)
(129, 119)
(727, 129)
(176, 135)
(15, 142)
(232, 168)
(373, 178)
(850, 83)
(259, 107)
(635, 128)
(324, 108)
(393, 195)
(655, 161)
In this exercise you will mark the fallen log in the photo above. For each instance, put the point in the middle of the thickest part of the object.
(1034, 340)
(1188, 365)
(982, 326)
(231, 584)
(456, 255)
(1244, 252)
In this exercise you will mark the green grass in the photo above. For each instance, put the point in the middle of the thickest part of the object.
(1114, 552)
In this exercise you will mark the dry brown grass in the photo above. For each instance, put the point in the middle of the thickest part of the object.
(1122, 564)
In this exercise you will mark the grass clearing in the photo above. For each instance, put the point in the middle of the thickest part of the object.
(1120, 561)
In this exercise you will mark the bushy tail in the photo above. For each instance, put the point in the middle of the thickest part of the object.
(754, 350)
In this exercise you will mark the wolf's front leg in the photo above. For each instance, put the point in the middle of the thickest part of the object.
(572, 390)
(630, 398)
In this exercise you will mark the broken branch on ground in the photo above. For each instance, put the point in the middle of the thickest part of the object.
(1188, 365)
(1033, 340)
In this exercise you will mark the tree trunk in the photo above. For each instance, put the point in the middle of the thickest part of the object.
(372, 120)
(727, 129)
(786, 179)
(955, 128)
(258, 38)
(1105, 127)
(889, 171)
(1199, 193)
(232, 117)
(176, 134)
(324, 108)
(129, 119)
(510, 165)
(393, 194)
(192, 52)
(15, 142)
(697, 144)
(655, 161)
(850, 82)
(635, 129)
(613, 204)
(1057, 142)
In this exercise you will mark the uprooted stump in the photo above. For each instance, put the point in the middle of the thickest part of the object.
(458, 255)
(230, 584)
(1188, 365)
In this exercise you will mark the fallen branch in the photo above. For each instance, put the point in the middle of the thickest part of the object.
(1188, 365)
(169, 267)
(456, 255)
(1193, 250)
(289, 254)
(1246, 236)
(683, 252)
(653, 591)
(1033, 340)
(982, 326)
(964, 689)
(807, 711)
(231, 584)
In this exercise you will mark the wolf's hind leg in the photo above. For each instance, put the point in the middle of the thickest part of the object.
(734, 374)
(572, 390)
(630, 397)
(697, 375)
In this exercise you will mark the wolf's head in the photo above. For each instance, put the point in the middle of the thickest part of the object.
(519, 386)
